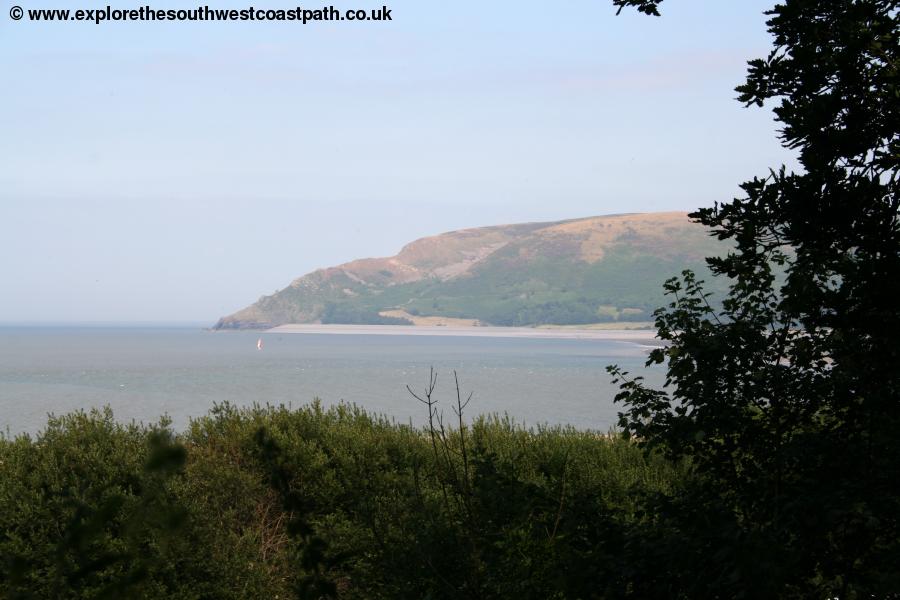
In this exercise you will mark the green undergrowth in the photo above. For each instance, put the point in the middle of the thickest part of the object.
(271, 502)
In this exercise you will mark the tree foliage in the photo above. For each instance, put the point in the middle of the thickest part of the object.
(785, 399)
(314, 503)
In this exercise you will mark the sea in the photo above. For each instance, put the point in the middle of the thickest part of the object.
(143, 373)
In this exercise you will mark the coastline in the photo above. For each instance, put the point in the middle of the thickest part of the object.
(638, 336)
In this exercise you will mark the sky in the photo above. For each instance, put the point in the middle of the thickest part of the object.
(176, 172)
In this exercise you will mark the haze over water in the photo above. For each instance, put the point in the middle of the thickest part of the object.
(143, 373)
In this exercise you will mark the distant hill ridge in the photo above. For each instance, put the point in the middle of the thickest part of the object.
(579, 271)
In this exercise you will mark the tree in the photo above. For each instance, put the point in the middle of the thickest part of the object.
(786, 399)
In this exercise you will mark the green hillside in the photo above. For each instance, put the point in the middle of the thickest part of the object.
(582, 271)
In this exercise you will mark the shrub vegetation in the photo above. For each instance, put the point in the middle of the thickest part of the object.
(267, 502)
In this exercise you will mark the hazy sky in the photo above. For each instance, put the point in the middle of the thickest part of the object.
(178, 171)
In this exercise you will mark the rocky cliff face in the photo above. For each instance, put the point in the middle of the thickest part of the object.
(576, 271)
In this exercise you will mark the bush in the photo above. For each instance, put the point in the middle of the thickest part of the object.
(271, 502)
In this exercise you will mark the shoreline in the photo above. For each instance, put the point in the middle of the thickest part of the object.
(638, 336)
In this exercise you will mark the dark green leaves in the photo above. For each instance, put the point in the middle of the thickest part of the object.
(648, 7)
(785, 398)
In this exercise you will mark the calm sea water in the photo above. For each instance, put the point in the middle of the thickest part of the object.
(142, 373)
